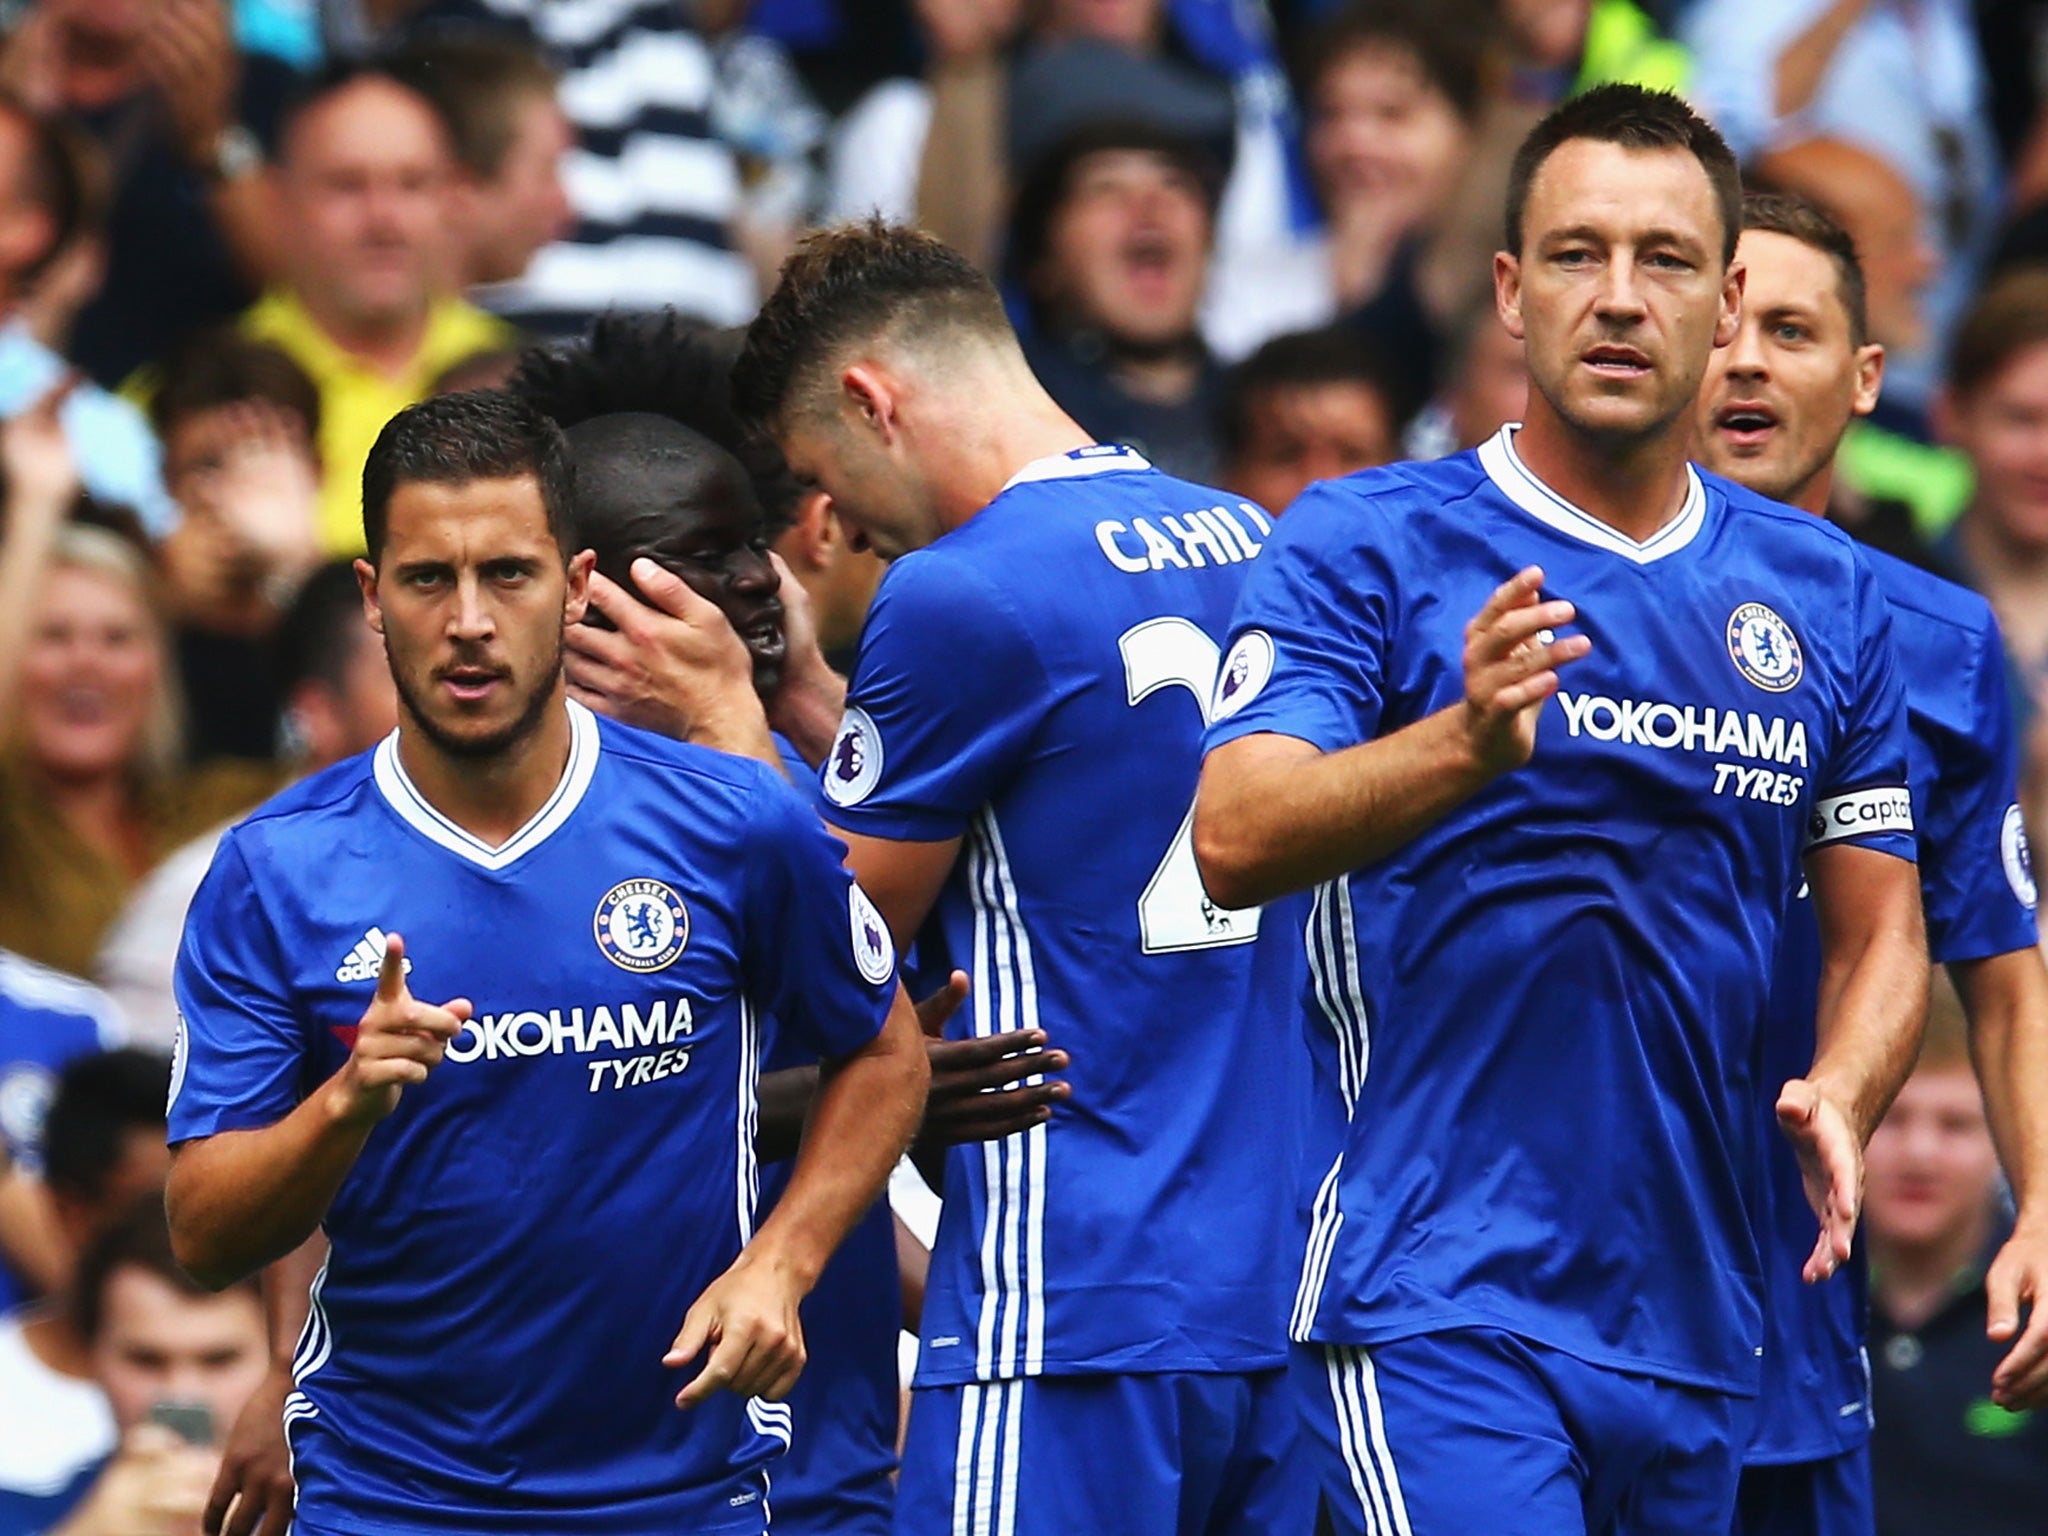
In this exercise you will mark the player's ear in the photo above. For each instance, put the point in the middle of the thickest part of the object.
(366, 582)
(1869, 377)
(1730, 320)
(871, 395)
(1507, 291)
(576, 598)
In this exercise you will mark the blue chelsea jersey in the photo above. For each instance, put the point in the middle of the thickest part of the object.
(518, 1243)
(1543, 1011)
(1977, 887)
(1036, 683)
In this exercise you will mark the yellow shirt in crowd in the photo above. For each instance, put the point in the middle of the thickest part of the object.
(356, 400)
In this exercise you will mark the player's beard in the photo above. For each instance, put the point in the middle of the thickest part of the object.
(497, 743)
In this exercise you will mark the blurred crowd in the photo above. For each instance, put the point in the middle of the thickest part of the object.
(1252, 240)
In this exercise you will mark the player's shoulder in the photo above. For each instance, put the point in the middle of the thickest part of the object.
(334, 789)
(705, 769)
(1921, 597)
(31, 987)
(695, 785)
(1780, 527)
(1389, 505)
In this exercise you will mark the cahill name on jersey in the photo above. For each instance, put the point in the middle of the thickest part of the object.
(1036, 683)
(518, 1243)
(1543, 1011)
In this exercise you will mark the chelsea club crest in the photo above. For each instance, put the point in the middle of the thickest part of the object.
(641, 925)
(1764, 649)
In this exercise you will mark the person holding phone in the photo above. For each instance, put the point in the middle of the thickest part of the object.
(176, 1364)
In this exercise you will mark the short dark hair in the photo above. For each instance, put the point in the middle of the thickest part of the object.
(100, 1098)
(1802, 219)
(1443, 43)
(222, 366)
(485, 434)
(851, 283)
(661, 364)
(1634, 118)
(319, 632)
(1302, 359)
(2009, 317)
(139, 1239)
(475, 81)
(1049, 182)
(57, 178)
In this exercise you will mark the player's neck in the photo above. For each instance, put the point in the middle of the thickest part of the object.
(1818, 494)
(987, 460)
(490, 798)
(1635, 488)
(1914, 1282)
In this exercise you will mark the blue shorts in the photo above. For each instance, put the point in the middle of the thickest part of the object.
(1167, 1454)
(1830, 1497)
(1450, 1433)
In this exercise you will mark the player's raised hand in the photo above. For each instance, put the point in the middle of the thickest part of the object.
(672, 664)
(1831, 1165)
(748, 1317)
(1511, 664)
(399, 1041)
(2017, 1279)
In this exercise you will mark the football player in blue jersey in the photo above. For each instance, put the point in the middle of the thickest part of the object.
(1772, 411)
(1545, 931)
(525, 1188)
(1103, 1329)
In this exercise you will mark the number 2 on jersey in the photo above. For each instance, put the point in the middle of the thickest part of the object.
(1175, 913)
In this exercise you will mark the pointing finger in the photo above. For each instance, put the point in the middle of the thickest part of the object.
(391, 974)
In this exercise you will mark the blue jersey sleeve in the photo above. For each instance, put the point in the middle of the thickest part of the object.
(946, 696)
(817, 955)
(1976, 879)
(1309, 638)
(1861, 794)
(241, 1053)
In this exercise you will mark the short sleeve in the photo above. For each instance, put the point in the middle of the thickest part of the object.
(1861, 790)
(1976, 878)
(945, 699)
(240, 1055)
(816, 954)
(1310, 636)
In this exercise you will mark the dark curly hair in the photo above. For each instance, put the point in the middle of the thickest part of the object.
(660, 365)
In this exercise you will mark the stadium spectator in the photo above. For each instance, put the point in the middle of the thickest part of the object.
(94, 787)
(1995, 409)
(363, 185)
(42, 204)
(184, 120)
(46, 1020)
(104, 1155)
(1902, 79)
(176, 1363)
(337, 700)
(1945, 1457)
(1306, 407)
(496, 96)
(238, 420)
(656, 192)
(1110, 244)
(1390, 90)
(1486, 385)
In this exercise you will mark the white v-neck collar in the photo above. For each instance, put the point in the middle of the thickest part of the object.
(1101, 459)
(404, 797)
(1504, 467)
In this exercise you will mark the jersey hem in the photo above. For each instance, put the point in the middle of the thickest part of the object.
(1250, 1366)
(1792, 1456)
(1682, 1375)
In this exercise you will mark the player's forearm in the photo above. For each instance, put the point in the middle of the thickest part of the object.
(1873, 1007)
(808, 709)
(867, 1109)
(1273, 815)
(240, 1200)
(2006, 998)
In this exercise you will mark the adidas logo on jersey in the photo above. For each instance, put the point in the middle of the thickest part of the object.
(364, 961)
